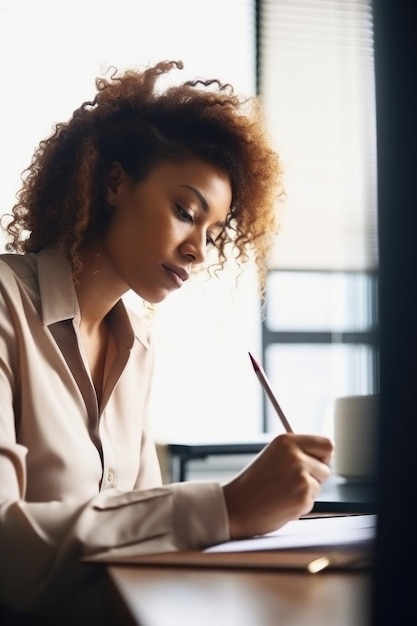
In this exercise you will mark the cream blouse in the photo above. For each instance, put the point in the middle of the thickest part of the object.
(75, 478)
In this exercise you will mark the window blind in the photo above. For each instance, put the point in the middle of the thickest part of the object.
(316, 78)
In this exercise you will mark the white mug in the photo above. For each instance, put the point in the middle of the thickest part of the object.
(355, 435)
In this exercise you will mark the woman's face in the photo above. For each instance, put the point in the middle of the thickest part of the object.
(161, 227)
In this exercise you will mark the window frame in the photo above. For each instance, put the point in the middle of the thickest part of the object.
(368, 337)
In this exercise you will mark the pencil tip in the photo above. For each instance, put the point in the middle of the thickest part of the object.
(254, 363)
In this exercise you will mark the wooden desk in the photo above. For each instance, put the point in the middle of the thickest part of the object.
(164, 596)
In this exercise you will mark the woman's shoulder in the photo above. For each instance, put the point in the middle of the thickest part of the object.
(18, 275)
(13, 265)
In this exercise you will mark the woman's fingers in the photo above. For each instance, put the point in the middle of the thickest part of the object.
(281, 483)
(315, 446)
(317, 468)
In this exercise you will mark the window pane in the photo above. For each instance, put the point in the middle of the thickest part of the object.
(306, 378)
(319, 301)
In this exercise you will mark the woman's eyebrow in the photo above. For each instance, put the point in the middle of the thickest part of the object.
(203, 202)
(200, 197)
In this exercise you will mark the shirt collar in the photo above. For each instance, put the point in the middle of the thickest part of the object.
(59, 299)
(56, 287)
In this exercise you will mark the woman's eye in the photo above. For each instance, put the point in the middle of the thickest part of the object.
(187, 217)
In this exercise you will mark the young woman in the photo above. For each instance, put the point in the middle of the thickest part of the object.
(128, 194)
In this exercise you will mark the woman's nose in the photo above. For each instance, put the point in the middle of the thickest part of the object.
(195, 248)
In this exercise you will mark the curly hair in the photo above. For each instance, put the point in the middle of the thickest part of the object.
(129, 121)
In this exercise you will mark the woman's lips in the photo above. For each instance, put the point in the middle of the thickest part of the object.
(177, 274)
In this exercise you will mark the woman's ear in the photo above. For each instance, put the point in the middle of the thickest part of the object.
(115, 177)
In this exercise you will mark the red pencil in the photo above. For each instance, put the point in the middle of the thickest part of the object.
(267, 388)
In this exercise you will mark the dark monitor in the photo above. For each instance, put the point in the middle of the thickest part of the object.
(395, 574)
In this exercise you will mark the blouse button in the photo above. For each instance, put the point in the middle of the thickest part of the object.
(110, 475)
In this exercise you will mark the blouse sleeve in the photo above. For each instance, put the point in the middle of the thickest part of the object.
(41, 543)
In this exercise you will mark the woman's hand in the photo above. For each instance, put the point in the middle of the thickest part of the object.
(279, 485)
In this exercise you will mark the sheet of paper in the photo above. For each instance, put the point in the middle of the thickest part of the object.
(325, 532)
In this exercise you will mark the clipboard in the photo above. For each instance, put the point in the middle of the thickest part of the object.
(312, 561)
(310, 545)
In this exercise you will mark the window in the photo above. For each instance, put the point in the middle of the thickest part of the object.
(319, 342)
(316, 78)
